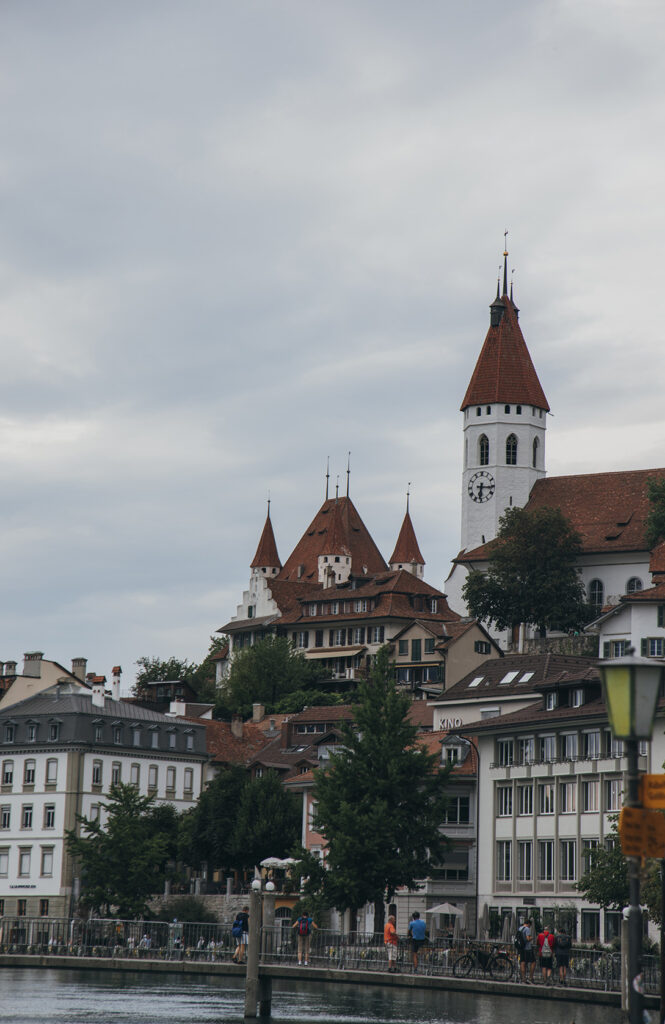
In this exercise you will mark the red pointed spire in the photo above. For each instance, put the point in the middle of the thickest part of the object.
(266, 553)
(406, 550)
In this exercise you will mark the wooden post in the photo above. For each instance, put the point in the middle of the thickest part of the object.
(252, 975)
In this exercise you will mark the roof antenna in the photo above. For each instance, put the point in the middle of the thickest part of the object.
(505, 262)
(348, 473)
(337, 488)
(407, 496)
(327, 476)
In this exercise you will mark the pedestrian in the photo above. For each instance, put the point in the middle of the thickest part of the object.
(562, 944)
(390, 942)
(546, 954)
(417, 934)
(304, 925)
(525, 949)
(240, 932)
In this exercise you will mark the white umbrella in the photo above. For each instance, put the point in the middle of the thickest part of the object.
(485, 923)
(465, 918)
(505, 931)
(445, 908)
(272, 862)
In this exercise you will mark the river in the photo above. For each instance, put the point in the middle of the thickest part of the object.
(47, 996)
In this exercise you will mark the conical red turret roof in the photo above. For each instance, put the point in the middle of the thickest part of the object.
(266, 553)
(407, 550)
(336, 529)
(504, 372)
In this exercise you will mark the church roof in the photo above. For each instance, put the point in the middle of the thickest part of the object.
(608, 510)
(406, 549)
(504, 372)
(336, 529)
(266, 553)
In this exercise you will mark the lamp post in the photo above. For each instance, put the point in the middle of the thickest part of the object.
(631, 687)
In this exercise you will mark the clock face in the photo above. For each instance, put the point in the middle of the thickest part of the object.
(481, 486)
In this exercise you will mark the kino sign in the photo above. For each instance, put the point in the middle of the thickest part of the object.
(454, 723)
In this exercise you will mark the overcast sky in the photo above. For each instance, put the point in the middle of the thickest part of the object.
(237, 238)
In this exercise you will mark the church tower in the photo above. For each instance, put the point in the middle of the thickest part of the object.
(505, 413)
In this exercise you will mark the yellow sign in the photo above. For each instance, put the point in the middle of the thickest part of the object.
(642, 832)
(652, 791)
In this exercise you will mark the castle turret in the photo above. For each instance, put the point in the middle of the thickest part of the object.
(266, 560)
(407, 553)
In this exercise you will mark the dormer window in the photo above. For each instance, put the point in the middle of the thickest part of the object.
(577, 697)
(551, 701)
(10, 730)
(634, 585)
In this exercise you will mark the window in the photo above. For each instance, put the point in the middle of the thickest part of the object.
(97, 774)
(21, 908)
(51, 772)
(524, 868)
(152, 776)
(7, 773)
(318, 638)
(334, 608)
(590, 796)
(172, 740)
(94, 812)
(526, 750)
(135, 775)
(5, 816)
(590, 925)
(301, 638)
(633, 585)
(596, 595)
(588, 848)
(170, 779)
(613, 795)
(615, 648)
(482, 646)
(377, 634)
(404, 648)
(546, 860)
(98, 733)
(551, 700)
(24, 861)
(660, 615)
(567, 797)
(43, 908)
(483, 450)
(189, 741)
(525, 800)
(511, 450)
(339, 637)
(518, 410)
(312, 609)
(577, 697)
(360, 605)
(546, 798)
(47, 862)
(568, 865)
(359, 635)
(548, 748)
(136, 736)
(31, 734)
(9, 733)
(504, 868)
(154, 739)
(505, 752)
(54, 731)
(534, 452)
(478, 410)
(189, 780)
(457, 812)
(26, 816)
(456, 866)
(653, 647)
(4, 861)
(117, 734)
(506, 409)
(569, 746)
(613, 748)
(416, 653)
(591, 742)
(429, 645)
(504, 801)
(29, 773)
(116, 773)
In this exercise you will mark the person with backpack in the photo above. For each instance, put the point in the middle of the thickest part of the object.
(524, 947)
(240, 932)
(562, 944)
(546, 954)
(303, 926)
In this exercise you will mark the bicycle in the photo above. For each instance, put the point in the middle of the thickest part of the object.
(497, 962)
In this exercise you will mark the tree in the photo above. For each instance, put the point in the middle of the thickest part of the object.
(263, 673)
(380, 803)
(154, 670)
(532, 576)
(655, 526)
(123, 863)
(605, 878)
(207, 831)
(268, 821)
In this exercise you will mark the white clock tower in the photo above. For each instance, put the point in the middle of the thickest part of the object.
(505, 412)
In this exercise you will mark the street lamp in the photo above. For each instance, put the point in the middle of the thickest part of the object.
(631, 687)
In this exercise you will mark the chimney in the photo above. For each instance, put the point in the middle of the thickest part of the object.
(10, 668)
(236, 726)
(116, 672)
(285, 733)
(258, 712)
(32, 663)
(79, 666)
(98, 695)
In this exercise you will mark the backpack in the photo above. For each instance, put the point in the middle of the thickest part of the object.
(520, 940)
(303, 926)
(546, 950)
(236, 929)
(563, 942)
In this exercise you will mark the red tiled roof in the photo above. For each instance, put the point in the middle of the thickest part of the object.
(655, 593)
(504, 371)
(337, 524)
(266, 553)
(325, 713)
(225, 748)
(421, 714)
(406, 549)
(657, 563)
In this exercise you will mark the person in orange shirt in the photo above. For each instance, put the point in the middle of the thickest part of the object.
(390, 942)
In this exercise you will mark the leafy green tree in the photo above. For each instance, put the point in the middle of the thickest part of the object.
(268, 821)
(123, 863)
(380, 803)
(655, 531)
(155, 670)
(266, 672)
(605, 878)
(207, 831)
(532, 576)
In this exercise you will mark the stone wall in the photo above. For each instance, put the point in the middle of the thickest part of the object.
(223, 907)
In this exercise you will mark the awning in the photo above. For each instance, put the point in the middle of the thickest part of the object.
(335, 652)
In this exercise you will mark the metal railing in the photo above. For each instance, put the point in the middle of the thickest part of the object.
(213, 943)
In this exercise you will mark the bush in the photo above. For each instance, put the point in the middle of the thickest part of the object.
(185, 908)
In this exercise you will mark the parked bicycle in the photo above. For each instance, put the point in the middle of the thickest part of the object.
(496, 962)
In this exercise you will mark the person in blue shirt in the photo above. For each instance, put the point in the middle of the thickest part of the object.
(417, 933)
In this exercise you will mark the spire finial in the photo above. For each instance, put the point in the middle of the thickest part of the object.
(408, 491)
(337, 488)
(505, 262)
(268, 503)
(498, 284)
(327, 476)
(348, 473)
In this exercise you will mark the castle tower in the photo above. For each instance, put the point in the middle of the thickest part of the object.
(407, 553)
(505, 412)
(266, 561)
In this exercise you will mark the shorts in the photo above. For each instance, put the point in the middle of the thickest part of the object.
(526, 956)
(563, 959)
(392, 952)
(546, 961)
(416, 944)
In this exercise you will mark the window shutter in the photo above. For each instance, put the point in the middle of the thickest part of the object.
(606, 649)
(661, 615)
(643, 647)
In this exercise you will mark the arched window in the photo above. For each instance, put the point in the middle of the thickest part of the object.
(633, 585)
(511, 450)
(483, 450)
(536, 446)
(596, 594)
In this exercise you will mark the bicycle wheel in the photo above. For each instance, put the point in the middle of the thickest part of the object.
(501, 967)
(463, 967)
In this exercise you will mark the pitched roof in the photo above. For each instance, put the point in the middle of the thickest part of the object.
(504, 371)
(406, 549)
(336, 529)
(516, 675)
(225, 748)
(266, 553)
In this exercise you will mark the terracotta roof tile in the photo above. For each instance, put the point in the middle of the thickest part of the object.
(406, 549)
(337, 523)
(266, 552)
(225, 748)
(490, 674)
(504, 371)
